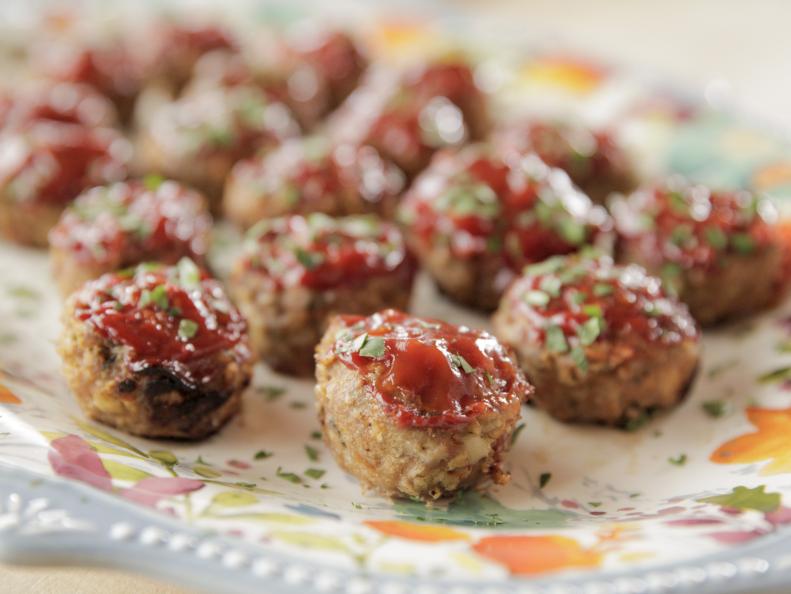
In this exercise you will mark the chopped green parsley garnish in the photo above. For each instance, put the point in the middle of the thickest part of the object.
(589, 331)
(602, 289)
(743, 243)
(548, 266)
(580, 360)
(544, 479)
(461, 363)
(152, 181)
(158, 296)
(309, 260)
(679, 460)
(289, 476)
(187, 329)
(315, 473)
(572, 231)
(716, 238)
(189, 274)
(536, 298)
(313, 453)
(373, 346)
(556, 339)
(714, 408)
(262, 455)
(551, 285)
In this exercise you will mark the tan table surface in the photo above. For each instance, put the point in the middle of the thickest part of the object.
(744, 44)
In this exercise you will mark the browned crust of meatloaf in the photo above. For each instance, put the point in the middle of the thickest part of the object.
(71, 273)
(150, 403)
(27, 223)
(395, 461)
(286, 325)
(623, 381)
(204, 173)
(740, 285)
(476, 282)
(244, 205)
(600, 187)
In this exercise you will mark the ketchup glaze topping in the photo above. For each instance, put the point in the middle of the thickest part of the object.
(335, 57)
(235, 120)
(61, 102)
(508, 205)
(310, 175)
(320, 252)
(110, 68)
(586, 155)
(52, 162)
(174, 317)
(681, 225)
(128, 222)
(575, 301)
(428, 373)
(430, 111)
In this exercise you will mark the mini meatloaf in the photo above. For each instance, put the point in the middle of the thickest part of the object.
(172, 49)
(117, 226)
(156, 351)
(110, 66)
(198, 138)
(476, 216)
(322, 68)
(296, 272)
(601, 343)
(416, 407)
(437, 106)
(719, 251)
(60, 102)
(592, 159)
(45, 165)
(303, 176)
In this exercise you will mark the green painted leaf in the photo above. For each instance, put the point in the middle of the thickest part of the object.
(108, 437)
(744, 498)
(234, 499)
(164, 456)
(206, 471)
(475, 509)
(123, 472)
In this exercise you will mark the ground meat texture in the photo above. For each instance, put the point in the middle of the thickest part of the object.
(435, 107)
(415, 407)
(297, 272)
(156, 351)
(592, 158)
(199, 137)
(310, 175)
(60, 102)
(720, 251)
(47, 164)
(476, 216)
(322, 68)
(112, 227)
(601, 343)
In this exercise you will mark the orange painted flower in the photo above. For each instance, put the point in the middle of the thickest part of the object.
(770, 442)
(568, 73)
(7, 396)
(530, 555)
(420, 532)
